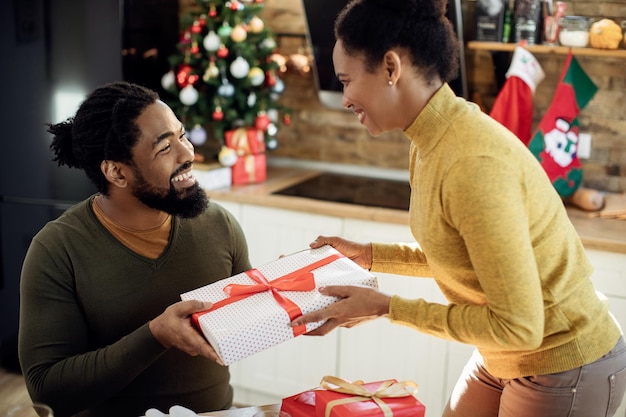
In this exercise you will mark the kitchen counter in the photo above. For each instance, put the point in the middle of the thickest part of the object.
(595, 233)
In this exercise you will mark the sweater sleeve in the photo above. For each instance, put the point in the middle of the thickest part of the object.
(61, 368)
(399, 258)
(489, 212)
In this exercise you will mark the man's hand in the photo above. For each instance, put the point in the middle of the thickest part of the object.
(360, 253)
(357, 304)
(173, 329)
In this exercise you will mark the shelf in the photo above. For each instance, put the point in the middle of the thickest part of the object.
(546, 49)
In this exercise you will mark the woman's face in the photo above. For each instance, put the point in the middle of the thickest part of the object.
(366, 94)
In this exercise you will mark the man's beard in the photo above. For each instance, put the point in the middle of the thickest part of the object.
(187, 203)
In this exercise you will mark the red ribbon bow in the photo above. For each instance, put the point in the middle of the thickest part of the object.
(299, 280)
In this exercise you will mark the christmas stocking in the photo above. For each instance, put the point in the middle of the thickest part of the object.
(555, 143)
(514, 104)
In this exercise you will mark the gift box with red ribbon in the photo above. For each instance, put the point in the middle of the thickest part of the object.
(249, 169)
(252, 310)
(245, 141)
(390, 398)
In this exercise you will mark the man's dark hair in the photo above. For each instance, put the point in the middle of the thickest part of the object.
(373, 27)
(104, 127)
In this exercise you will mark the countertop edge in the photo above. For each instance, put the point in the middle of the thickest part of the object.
(595, 233)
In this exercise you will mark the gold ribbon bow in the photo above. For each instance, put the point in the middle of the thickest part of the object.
(388, 389)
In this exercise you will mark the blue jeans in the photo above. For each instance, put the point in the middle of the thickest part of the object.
(593, 390)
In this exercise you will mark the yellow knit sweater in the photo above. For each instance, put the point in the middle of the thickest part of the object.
(495, 236)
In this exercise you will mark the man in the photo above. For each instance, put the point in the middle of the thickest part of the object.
(102, 327)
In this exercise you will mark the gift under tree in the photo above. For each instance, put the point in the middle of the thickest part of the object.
(225, 76)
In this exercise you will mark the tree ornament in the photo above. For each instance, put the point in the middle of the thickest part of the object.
(256, 25)
(251, 101)
(168, 80)
(256, 76)
(262, 121)
(238, 34)
(279, 86)
(271, 129)
(211, 41)
(270, 79)
(196, 27)
(268, 44)
(233, 5)
(218, 114)
(197, 135)
(239, 68)
(227, 156)
(194, 48)
(188, 95)
(226, 90)
(222, 52)
(212, 11)
(224, 30)
(287, 119)
(273, 115)
(211, 71)
(271, 143)
(182, 76)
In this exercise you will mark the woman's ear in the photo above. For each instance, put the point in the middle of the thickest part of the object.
(114, 173)
(392, 64)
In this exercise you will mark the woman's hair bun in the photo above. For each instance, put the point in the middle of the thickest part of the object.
(425, 9)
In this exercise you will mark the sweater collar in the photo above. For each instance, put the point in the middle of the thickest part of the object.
(429, 126)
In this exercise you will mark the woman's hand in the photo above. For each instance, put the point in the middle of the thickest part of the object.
(360, 253)
(356, 304)
(173, 329)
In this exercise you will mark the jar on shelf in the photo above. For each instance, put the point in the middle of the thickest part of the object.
(574, 31)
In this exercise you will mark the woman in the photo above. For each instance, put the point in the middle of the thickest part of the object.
(492, 231)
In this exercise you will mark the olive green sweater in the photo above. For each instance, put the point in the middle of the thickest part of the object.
(495, 236)
(86, 301)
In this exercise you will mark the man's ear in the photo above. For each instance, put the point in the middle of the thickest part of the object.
(392, 64)
(114, 172)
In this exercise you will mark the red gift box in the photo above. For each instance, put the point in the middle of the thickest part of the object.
(249, 169)
(390, 398)
(244, 141)
(300, 405)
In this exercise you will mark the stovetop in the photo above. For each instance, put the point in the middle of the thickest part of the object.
(350, 189)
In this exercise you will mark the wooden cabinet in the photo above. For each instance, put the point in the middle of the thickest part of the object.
(375, 350)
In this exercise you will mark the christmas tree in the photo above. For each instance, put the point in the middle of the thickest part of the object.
(225, 75)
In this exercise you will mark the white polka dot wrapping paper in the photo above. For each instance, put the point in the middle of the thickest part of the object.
(251, 322)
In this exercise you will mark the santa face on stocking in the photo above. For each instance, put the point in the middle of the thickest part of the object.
(561, 143)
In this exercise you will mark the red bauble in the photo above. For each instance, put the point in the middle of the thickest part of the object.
(234, 5)
(270, 79)
(196, 27)
(287, 119)
(222, 52)
(212, 11)
(262, 121)
(218, 114)
(182, 76)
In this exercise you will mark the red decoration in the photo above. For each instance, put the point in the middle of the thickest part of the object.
(234, 6)
(196, 27)
(270, 79)
(262, 121)
(194, 48)
(287, 119)
(222, 52)
(212, 11)
(182, 76)
(218, 114)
